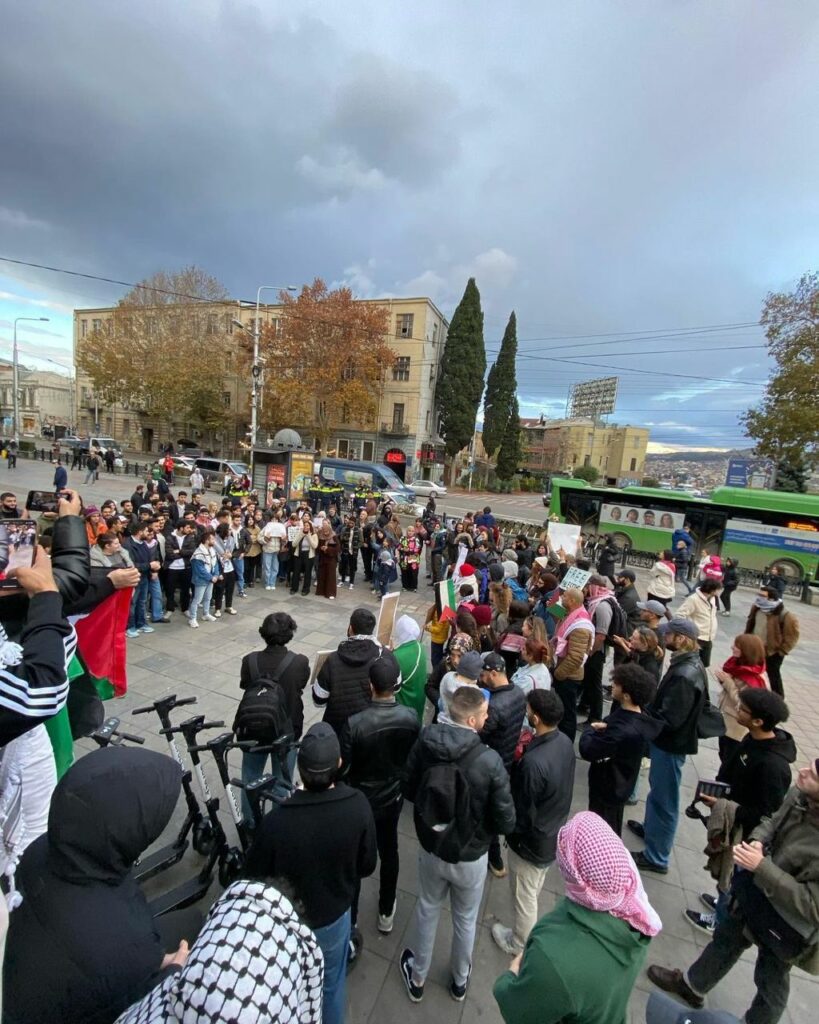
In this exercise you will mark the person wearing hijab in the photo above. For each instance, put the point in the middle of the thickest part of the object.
(83, 943)
(412, 660)
(253, 960)
(328, 562)
(581, 960)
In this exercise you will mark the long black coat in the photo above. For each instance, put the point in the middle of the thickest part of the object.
(83, 946)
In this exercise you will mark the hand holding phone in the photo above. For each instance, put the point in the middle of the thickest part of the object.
(36, 578)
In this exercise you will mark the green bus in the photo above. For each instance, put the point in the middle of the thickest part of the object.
(759, 529)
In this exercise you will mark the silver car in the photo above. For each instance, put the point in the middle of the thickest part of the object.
(428, 488)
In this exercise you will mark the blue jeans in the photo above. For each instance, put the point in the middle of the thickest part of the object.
(334, 940)
(201, 594)
(663, 804)
(253, 767)
(155, 590)
(270, 567)
(239, 569)
(136, 616)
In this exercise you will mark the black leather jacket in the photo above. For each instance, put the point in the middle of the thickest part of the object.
(493, 810)
(507, 707)
(678, 702)
(375, 744)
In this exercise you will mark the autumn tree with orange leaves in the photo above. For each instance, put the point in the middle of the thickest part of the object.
(325, 361)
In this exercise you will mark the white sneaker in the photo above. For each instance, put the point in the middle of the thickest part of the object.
(269, 588)
(193, 623)
(216, 615)
(208, 618)
(386, 921)
(230, 611)
(346, 579)
(505, 938)
(351, 586)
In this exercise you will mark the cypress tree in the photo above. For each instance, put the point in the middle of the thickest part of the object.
(511, 450)
(463, 365)
(500, 390)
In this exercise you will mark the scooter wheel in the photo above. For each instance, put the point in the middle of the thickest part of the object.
(202, 838)
(230, 867)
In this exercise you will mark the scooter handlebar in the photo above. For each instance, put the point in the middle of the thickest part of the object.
(171, 702)
(182, 728)
(129, 737)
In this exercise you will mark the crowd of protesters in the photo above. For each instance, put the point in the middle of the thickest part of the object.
(516, 662)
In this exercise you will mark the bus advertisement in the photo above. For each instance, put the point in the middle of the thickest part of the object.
(757, 528)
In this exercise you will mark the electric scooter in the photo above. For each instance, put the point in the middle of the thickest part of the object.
(195, 824)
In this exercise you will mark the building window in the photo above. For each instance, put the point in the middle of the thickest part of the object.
(96, 325)
(109, 425)
(348, 371)
(228, 319)
(226, 399)
(276, 327)
(435, 332)
(401, 368)
(367, 451)
(403, 325)
(83, 328)
(343, 448)
(426, 422)
(126, 427)
(633, 465)
(213, 326)
(398, 415)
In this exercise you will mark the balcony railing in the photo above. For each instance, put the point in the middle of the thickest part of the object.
(395, 429)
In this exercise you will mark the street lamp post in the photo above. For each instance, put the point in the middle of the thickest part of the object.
(15, 373)
(256, 369)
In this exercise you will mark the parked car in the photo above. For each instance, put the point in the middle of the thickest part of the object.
(428, 488)
(102, 443)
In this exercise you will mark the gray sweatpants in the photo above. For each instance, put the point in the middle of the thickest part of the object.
(464, 884)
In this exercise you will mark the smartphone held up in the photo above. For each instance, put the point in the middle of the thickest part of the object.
(18, 545)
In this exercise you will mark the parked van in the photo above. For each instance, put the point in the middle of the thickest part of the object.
(217, 468)
(102, 443)
(350, 473)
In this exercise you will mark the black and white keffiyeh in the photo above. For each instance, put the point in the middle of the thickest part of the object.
(253, 961)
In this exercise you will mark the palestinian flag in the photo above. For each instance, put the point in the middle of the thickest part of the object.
(446, 602)
(96, 672)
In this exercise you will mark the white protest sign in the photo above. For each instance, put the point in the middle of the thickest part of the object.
(575, 578)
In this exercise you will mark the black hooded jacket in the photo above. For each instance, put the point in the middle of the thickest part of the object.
(616, 751)
(83, 946)
(759, 774)
(342, 686)
(493, 810)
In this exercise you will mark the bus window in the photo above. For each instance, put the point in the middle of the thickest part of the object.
(579, 508)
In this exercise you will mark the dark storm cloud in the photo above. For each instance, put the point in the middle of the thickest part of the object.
(599, 167)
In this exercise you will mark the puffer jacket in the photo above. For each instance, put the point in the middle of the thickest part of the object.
(677, 704)
(493, 810)
(106, 810)
(342, 686)
(507, 706)
(375, 744)
(663, 578)
(578, 646)
(542, 784)
(789, 872)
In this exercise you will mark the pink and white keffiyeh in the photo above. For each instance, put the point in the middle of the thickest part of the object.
(600, 874)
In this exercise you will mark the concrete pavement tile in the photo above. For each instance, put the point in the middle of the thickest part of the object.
(803, 1004)
(488, 963)
(364, 985)
(386, 946)
(394, 1007)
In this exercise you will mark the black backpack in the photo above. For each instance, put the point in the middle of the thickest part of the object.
(619, 622)
(263, 713)
(443, 808)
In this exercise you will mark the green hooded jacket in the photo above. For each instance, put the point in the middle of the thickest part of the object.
(579, 965)
(412, 659)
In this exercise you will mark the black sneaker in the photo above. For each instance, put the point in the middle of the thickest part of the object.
(709, 901)
(705, 922)
(637, 827)
(458, 992)
(415, 992)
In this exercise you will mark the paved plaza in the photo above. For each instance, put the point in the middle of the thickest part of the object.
(205, 663)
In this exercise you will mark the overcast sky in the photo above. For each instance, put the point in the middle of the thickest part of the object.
(602, 167)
